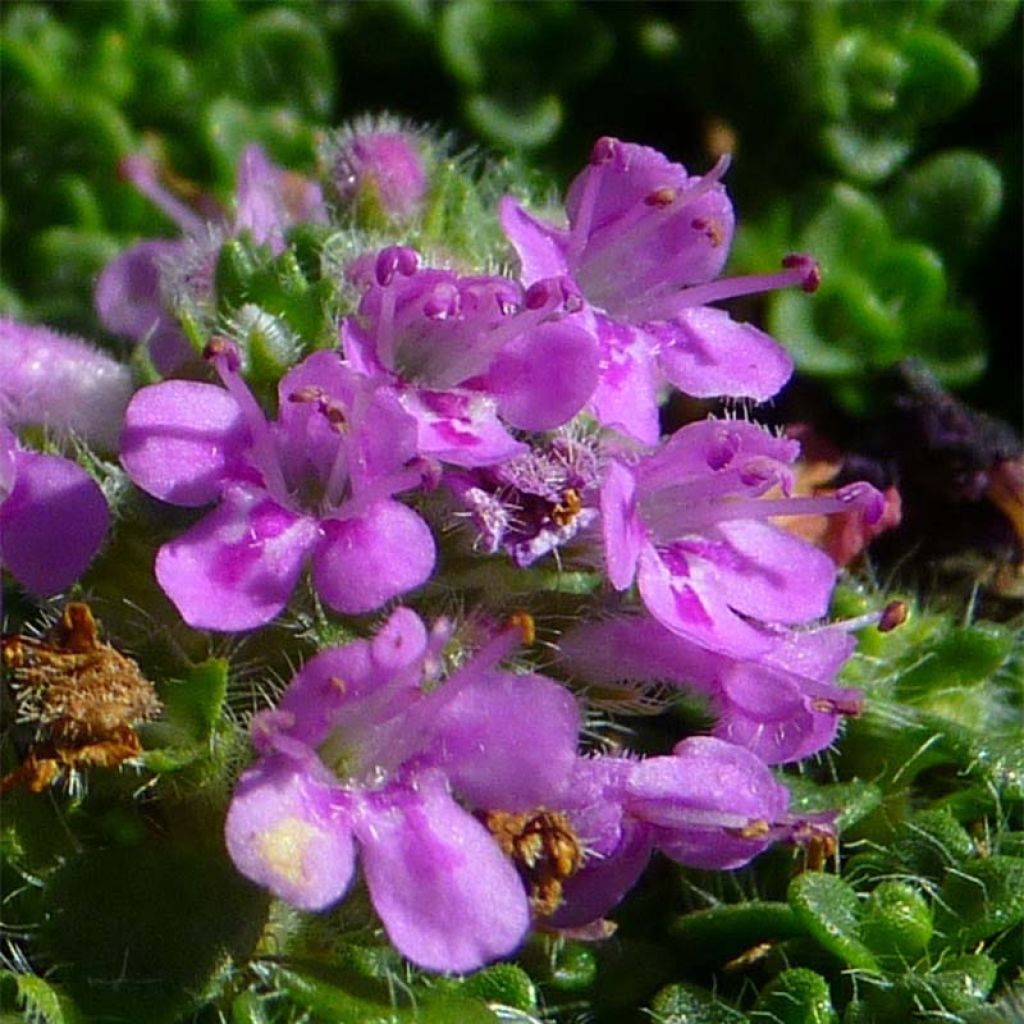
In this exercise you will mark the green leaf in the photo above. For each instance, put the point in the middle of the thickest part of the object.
(960, 984)
(796, 996)
(853, 800)
(515, 127)
(344, 997)
(196, 702)
(507, 984)
(688, 1004)
(897, 922)
(941, 76)
(721, 933)
(37, 998)
(949, 201)
(147, 933)
(930, 843)
(830, 911)
(979, 899)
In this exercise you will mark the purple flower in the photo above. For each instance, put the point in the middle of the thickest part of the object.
(53, 517)
(315, 484)
(465, 350)
(62, 383)
(378, 165)
(362, 752)
(687, 522)
(131, 295)
(644, 244)
(783, 706)
(709, 804)
(535, 502)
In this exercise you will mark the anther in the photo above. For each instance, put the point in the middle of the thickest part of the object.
(396, 259)
(664, 196)
(604, 150)
(538, 295)
(811, 271)
(894, 614)
(309, 393)
(219, 347)
(523, 621)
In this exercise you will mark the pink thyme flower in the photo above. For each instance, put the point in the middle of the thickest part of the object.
(688, 523)
(645, 243)
(366, 750)
(467, 353)
(131, 293)
(709, 804)
(316, 484)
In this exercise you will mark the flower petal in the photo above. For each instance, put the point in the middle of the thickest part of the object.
(621, 526)
(363, 562)
(507, 741)
(237, 567)
(462, 429)
(540, 247)
(182, 440)
(626, 397)
(704, 352)
(545, 376)
(51, 523)
(449, 899)
(285, 831)
(130, 302)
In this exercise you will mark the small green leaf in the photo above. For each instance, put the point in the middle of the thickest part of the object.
(721, 933)
(941, 76)
(507, 984)
(37, 998)
(515, 127)
(853, 800)
(830, 910)
(688, 1004)
(979, 899)
(347, 998)
(931, 842)
(897, 922)
(796, 996)
(196, 702)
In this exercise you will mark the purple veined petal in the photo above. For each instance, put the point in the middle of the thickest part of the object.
(52, 522)
(626, 397)
(604, 880)
(710, 849)
(684, 599)
(704, 352)
(363, 562)
(777, 578)
(401, 643)
(8, 469)
(183, 441)
(285, 830)
(449, 899)
(783, 741)
(460, 428)
(237, 567)
(545, 376)
(620, 525)
(129, 302)
(507, 741)
(698, 451)
(540, 247)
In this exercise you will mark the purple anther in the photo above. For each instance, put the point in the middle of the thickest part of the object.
(572, 297)
(223, 348)
(539, 294)
(395, 259)
(604, 150)
(335, 415)
(809, 266)
(865, 497)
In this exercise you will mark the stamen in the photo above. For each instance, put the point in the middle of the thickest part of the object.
(802, 271)
(226, 360)
(396, 259)
(141, 172)
(894, 614)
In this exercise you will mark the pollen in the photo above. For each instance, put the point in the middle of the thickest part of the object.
(283, 849)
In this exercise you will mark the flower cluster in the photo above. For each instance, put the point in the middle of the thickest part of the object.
(468, 425)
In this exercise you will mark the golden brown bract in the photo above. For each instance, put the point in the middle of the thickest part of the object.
(83, 696)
